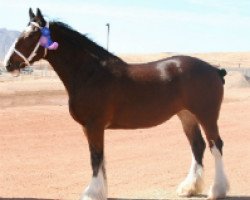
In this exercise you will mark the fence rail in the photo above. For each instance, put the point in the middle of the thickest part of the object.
(49, 73)
(244, 70)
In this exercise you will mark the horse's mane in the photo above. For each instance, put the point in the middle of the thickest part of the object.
(82, 42)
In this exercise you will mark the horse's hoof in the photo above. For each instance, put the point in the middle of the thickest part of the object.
(218, 191)
(183, 191)
(94, 192)
(190, 188)
(93, 197)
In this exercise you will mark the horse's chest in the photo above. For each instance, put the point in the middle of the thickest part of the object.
(73, 110)
(86, 107)
(78, 110)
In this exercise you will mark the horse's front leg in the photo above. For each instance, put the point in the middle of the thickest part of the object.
(97, 189)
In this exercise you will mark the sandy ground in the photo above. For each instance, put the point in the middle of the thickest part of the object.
(223, 59)
(44, 154)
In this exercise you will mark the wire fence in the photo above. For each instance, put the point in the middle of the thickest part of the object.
(29, 74)
(244, 70)
(47, 72)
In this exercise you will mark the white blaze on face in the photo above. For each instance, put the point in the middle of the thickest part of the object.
(15, 72)
(9, 53)
(28, 29)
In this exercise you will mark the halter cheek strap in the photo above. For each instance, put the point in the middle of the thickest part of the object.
(32, 55)
(47, 44)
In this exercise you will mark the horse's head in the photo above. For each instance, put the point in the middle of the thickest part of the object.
(26, 49)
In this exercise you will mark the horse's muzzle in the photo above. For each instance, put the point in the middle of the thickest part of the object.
(13, 68)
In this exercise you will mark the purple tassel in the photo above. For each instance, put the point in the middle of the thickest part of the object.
(46, 41)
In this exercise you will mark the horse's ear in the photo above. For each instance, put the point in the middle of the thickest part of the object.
(40, 17)
(31, 14)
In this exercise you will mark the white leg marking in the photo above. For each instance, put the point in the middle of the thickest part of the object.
(193, 183)
(220, 185)
(97, 189)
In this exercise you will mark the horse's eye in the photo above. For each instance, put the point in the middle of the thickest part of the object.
(34, 28)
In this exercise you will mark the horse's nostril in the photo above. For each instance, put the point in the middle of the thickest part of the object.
(11, 66)
(8, 65)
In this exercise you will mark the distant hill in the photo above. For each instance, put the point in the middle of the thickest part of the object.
(7, 37)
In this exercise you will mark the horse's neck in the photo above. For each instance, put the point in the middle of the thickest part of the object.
(68, 66)
(71, 64)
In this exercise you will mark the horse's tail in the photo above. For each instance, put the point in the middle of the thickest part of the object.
(222, 73)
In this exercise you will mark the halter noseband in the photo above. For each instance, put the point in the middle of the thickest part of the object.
(44, 41)
(32, 55)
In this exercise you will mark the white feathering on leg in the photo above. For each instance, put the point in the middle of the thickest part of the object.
(97, 189)
(220, 185)
(193, 183)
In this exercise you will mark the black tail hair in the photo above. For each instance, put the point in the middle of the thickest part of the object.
(222, 73)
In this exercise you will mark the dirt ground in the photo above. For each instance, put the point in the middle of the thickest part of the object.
(44, 154)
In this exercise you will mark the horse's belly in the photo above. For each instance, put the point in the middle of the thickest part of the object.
(141, 117)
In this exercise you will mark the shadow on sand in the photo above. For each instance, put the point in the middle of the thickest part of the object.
(24, 198)
(202, 197)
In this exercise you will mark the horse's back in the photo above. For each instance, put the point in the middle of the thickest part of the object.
(169, 68)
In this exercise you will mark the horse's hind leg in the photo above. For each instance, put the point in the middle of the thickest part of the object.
(220, 185)
(97, 189)
(193, 183)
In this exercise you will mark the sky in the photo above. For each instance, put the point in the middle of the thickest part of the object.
(145, 26)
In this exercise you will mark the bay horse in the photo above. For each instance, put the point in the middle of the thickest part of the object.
(107, 93)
